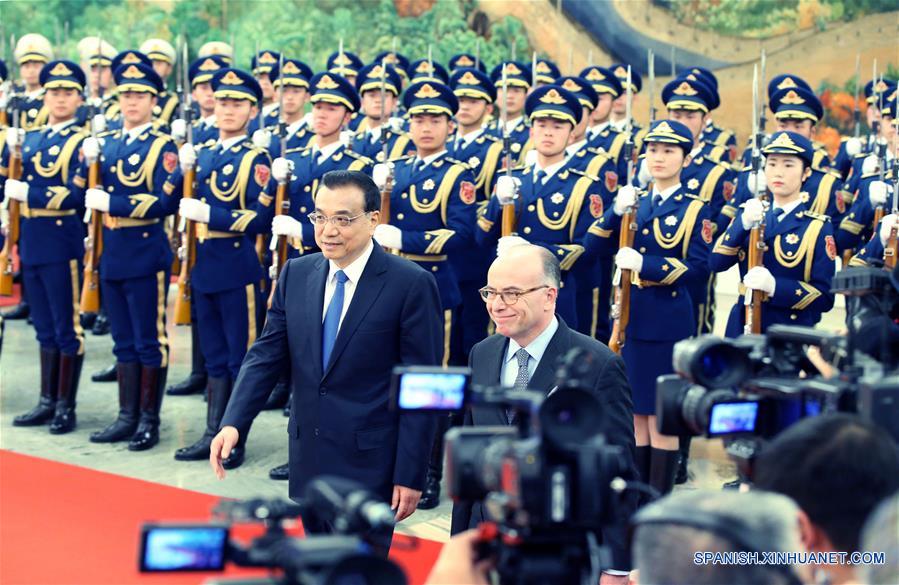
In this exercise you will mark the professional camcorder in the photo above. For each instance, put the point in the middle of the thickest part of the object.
(345, 557)
(546, 481)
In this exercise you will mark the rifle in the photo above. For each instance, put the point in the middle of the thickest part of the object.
(278, 245)
(509, 219)
(651, 67)
(477, 53)
(12, 226)
(93, 243)
(880, 146)
(175, 236)
(891, 250)
(187, 251)
(856, 112)
(621, 308)
(763, 109)
(388, 185)
(753, 299)
(7, 85)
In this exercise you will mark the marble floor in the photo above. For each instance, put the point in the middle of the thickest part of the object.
(183, 420)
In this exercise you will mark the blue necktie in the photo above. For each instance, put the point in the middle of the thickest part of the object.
(775, 215)
(332, 318)
(656, 200)
(416, 166)
(538, 180)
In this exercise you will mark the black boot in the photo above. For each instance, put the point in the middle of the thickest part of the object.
(64, 420)
(277, 400)
(106, 374)
(682, 475)
(662, 467)
(101, 325)
(280, 473)
(152, 383)
(641, 459)
(430, 495)
(195, 382)
(19, 312)
(46, 406)
(218, 390)
(128, 375)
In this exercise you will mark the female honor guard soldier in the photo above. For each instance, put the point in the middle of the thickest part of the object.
(670, 251)
(230, 208)
(51, 245)
(799, 262)
(136, 258)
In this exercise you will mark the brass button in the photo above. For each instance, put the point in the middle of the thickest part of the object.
(237, 244)
(673, 293)
(645, 232)
(531, 208)
(400, 216)
(555, 214)
(203, 199)
(527, 230)
(146, 234)
(434, 268)
(30, 177)
(306, 188)
(561, 252)
(109, 188)
(405, 195)
(302, 210)
(58, 222)
(424, 200)
(642, 250)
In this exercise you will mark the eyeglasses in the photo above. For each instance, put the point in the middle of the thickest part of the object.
(340, 221)
(509, 297)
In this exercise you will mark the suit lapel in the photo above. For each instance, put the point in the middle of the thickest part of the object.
(544, 377)
(367, 291)
(495, 415)
(315, 295)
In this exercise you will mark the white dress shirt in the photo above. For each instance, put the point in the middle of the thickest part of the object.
(131, 135)
(56, 128)
(322, 154)
(224, 145)
(429, 159)
(666, 193)
(353, 273)
(535, 350)
(550, 170)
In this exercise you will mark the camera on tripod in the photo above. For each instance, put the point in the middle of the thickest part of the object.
(332, 559)
(544, 480)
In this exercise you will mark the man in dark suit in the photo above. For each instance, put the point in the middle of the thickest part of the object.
(522, 287)
(341, 320)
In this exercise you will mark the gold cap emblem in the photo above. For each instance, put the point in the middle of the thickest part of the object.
(60, 69)
(327, 83)
(231, 78)
(553, 97)
(685, 89)
(426, 91)
(133, 73)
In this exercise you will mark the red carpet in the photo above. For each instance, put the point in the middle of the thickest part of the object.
(65, 524)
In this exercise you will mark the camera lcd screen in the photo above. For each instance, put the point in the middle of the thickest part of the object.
(728, 418)
(183, 548)
(432, 390)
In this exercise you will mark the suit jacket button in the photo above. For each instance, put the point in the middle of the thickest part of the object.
(315, 432)
(322, 392)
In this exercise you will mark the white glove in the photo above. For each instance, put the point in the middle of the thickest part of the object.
(753, 212)
(507, 242)
(853, 146)
(96, 199)
(396, 123)
(869, 165)
(179, 129)
(877, 193)
(757, 178)
(262, 139)
(625, 199)
(759, 278)
(17, 190)
(187, 157)
(380, 174)
(282, 168)
(629, 259)
(643, 175)
(346, 137)
(194, 210)
(91, 149)
(886, 226)
(97, 102)
(530, 158)
(4, 98)
(507, 189)
(13, 138)
(284, 225)
(389, 236)
(98, 123)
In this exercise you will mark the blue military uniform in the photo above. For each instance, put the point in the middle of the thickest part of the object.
(347, 65)
(876, 96)
(295, 74)
(201, 71)
(370, 142)
(50, 249)
(606, 136)
(546, 72)
(263, 64)
(30, 106)
(517, 75)
(800, 255)
(465, 61)
(637, 131)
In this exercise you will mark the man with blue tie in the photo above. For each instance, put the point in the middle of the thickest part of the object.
(341, 320)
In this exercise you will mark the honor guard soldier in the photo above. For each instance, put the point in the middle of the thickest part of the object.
(618, 117)
(593, 275)
(481, 151)
(293, 83)
(262, 65)
(465, 61)
(96, 62)
(229, 209)
(554, 204)
(397, 60)
(864, 163)
(546, 73)
(204, 128)
(600, 133)
(333, 102)
(379, 127)
(162, 55)
(51, 242)
(518, 84)
(32, 52)
(113, 113)
(850, 147)
(670, 249)
(347, 65)
(136, 257)
(713, 134)
(800, 250)
(427, 70)
(217, 49)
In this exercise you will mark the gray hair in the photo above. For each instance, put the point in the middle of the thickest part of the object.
(664, 552)
(881, 534)
(552, 270)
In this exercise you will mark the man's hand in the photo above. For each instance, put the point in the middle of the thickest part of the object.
(221, 447)
(404, 499)
(458, 562)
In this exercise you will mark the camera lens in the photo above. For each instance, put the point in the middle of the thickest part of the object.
(711, 362)
(569, 417)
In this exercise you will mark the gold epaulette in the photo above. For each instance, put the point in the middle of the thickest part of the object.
(358, 156)
(303, 150)
(818, 216)
(583, 174)
(106, 133)
(454, 161)
(694, 197)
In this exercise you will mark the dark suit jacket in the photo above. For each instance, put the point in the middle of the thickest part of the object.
(340, 421)
(608, 382)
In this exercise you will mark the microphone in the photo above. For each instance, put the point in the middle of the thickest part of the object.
(347, 505)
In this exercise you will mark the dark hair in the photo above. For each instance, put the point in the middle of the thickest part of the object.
(359, 180)
(837, 467)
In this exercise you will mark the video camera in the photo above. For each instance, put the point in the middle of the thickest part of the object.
(749, 389)
(335, 559)
(545, 481)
